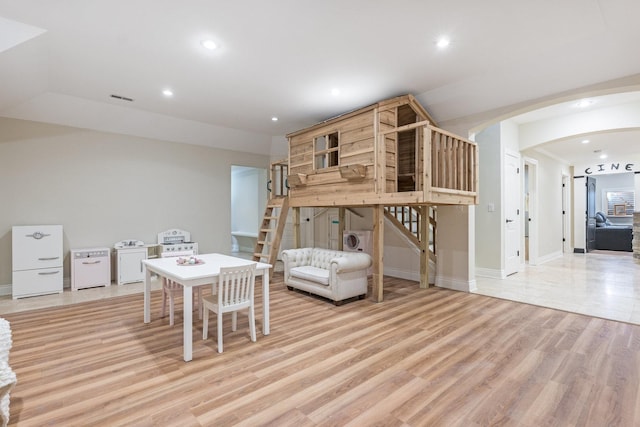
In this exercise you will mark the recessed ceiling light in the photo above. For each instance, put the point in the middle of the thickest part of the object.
(603, 156)
(168, 93)
(584, 103)
(274, 119)
(443, 42)
(585, 141)
(335, 91)
(209, 44)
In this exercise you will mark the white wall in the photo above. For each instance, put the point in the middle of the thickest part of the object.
(104, 187)
(456, 248)
(549, 204)
(488, 226)
(492, 143)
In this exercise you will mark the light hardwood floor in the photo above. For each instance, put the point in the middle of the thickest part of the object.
(422, 358)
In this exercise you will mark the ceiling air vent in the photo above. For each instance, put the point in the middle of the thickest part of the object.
(123, 98)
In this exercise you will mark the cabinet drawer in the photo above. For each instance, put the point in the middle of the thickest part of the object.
(36, 246)
(36, 282)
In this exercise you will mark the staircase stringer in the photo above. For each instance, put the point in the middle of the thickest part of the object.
(406, 228)
(271, 231)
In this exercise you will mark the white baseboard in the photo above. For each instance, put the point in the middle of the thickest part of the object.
(402, 274)
(456, 284)
(410, 274)
(5, 290)
(490, 273)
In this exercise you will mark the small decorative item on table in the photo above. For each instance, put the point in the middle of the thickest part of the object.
(189, 261)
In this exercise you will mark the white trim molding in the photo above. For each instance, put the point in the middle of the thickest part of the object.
(456, 284)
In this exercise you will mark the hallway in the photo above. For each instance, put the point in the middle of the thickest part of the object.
(603, 284)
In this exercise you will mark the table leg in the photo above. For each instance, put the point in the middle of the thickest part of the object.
(187, 333)
(265, 302)
(147, 294)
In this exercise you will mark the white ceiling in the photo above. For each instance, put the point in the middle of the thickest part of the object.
(283, 57)
(587, 148)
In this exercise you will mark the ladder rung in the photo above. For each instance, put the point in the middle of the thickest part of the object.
(260, 255)
(267, 230)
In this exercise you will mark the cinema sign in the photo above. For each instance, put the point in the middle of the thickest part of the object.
(611, 168)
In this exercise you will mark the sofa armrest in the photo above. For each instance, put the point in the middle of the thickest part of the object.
(352, 262)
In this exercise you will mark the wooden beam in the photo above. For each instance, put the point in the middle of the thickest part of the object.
(406, 127)
(357, 199)
(378, 253)
(379, 154)
(296, 227)
(424, 247)
(341, 217)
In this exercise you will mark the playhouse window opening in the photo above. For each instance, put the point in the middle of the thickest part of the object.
(325, 149)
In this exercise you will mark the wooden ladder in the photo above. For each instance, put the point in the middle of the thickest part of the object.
(271, 229)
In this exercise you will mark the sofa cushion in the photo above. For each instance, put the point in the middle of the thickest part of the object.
(602, 220)
(314, 274)
(321, 258)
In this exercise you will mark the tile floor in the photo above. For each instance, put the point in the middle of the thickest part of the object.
(603, 284)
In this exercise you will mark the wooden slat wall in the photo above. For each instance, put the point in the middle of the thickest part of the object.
(389, 120)
(300, 155)
(419, 156)
(454, 162)
(356, 147)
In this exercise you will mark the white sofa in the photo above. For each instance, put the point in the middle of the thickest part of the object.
(336, 275)
(7, 376)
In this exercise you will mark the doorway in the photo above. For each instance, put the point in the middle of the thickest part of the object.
(566, 222)
(591, 213)
(248, 201)
(530, 208)
(512, 224)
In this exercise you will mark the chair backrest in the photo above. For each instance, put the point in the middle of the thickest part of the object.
(235, 285)
(170, 284)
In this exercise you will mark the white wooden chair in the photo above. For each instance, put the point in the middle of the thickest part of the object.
(235, 291)
(171, 289)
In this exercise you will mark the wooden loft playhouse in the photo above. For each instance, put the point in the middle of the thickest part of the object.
(388, 156)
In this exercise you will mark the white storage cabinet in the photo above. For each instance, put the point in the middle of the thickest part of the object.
(36, 260)
(129, 264)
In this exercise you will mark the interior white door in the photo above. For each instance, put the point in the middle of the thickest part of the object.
(512, 213)
(334, 227)
(566, 224)
(306, 227)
